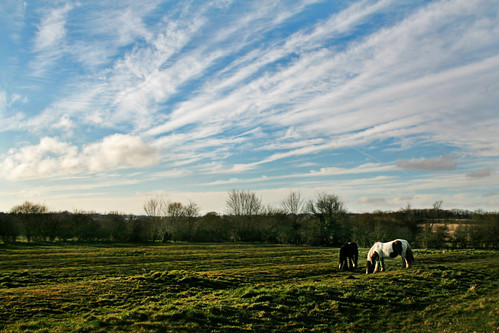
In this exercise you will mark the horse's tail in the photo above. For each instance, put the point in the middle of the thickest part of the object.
(409, 256)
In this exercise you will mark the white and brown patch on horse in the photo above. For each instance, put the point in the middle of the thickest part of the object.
(379, 251)
(396, 248)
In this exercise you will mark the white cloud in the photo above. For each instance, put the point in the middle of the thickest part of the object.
(119, 150)
(325, 172)
(54, 158)
(46, 159)
(107, 27)
(126, 91)
(65, 123)
(51, 30)
(9, 101)
(396, 83)
(391, 77)
(49, 43)
(377, 94)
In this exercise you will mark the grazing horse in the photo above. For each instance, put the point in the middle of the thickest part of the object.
(380, 251)
(348, 252)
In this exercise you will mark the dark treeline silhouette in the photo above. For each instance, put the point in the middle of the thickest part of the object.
(429, 228)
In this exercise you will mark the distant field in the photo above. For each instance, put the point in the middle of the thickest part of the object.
(241, 287)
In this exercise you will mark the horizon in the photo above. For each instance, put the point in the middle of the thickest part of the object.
(304, 211)
(382, 103)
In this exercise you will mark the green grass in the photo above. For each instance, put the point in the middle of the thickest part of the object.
(241, 287)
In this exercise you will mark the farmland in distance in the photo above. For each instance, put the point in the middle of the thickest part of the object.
(241, 287)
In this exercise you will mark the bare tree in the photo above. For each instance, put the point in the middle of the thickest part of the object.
(157, 209)
(244, 206)
(191, 210)
(151, 207)
(437, 205)
(175, 210)
(243, 203)
(293, 204)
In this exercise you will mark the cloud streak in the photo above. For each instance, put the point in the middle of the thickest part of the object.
(49, 43)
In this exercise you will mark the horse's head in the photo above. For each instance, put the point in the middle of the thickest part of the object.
(369, 267)
(371, 261)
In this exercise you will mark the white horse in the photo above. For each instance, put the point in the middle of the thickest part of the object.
(380, 251)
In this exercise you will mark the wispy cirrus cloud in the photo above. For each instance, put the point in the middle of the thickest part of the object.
(49, 43)
(266, 88)
(342, 97)
(364, 169)
(330, 93)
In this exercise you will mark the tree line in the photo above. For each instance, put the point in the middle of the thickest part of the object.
(321, 221)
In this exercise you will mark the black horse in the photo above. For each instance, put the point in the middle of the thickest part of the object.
(349, 252)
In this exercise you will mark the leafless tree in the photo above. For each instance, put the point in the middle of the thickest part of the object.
(293, 204)
(191, 211)
(153, 207)
(175, 210)
(437, 205)
(157, 209)
(243, 203)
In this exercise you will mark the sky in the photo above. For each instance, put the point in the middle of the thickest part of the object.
(107, 104)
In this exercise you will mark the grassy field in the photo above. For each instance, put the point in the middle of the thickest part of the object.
(241, 287)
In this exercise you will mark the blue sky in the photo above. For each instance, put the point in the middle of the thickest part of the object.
(106, 104)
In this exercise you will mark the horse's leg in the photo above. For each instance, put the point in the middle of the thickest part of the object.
(382, 265)
(408, 265)
(351, 265)
(376, 267)
(403, 261)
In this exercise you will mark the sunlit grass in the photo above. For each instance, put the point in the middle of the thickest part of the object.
(240, 287)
